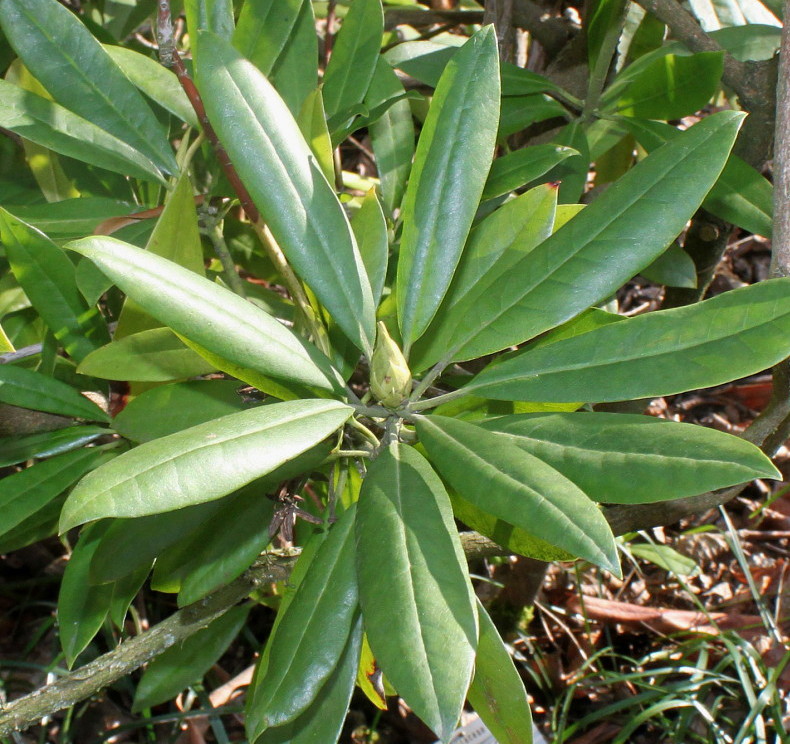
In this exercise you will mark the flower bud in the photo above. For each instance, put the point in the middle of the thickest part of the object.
(390, 377)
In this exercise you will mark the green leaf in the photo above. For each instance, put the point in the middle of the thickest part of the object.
(5, 342)
(391, 135)
(514, 539)
(600, 248)
(354, 56)
(308, 642)
(130, 544)
(741, 195)
(82, 607)
(426, 60)
(665, 557)
(45, 273)
(497, 693)
(287, 185)
(490, 471)
(157, 355)
(312, 122)
(175, 237)
(323, 720)
(264, 30)
(729, 336)
(411, 567)
(370, 229)
(167, 409)
(30, 490)
(523, 166)
(202, 463)
(17, 449)
(630, 459)
(71, 64)
(215, 557)
(72, 218)
(39, 525)
(670, 87)
(208, 15)
(188, 661)
(28, 389)
(451, 164)
(520, 112)
(238, 331)
(123, 593)
(674, 268)
(499, 241)
(157, 82)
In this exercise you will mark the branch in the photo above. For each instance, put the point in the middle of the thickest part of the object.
(132, 654)
(780, 260)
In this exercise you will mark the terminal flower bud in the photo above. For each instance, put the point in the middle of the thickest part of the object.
(390, 377)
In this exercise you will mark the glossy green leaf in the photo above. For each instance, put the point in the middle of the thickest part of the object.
(523, 166)
(175, 237)
(41, 524)
(729, 336)
(510, 537)
(741, 195)
(600, 248)
(287, 185)
(188, 661)
(573, 172)
(354, 56)
(45, 273)
(490, 471)
(674, 268)
(391, 135)
(166, 409)
(411, 566)
(451, 163)
(370, 229)
(123, 593)
(279, 37)
(26, 492)
(5, 342)
(157, 355)
(157, 82)
(75, 217)
(71, 64)
(28, 389)
(665, 557)
(46, 444)
(497, 693)
(308, 642)
(238, 331)
(208, 15)
(54, 127)
(671, 87)
(82, 607)
(499, 241)
(323, 720)
(520, 112)
(208, 558)
(312, 122)
(629, 459)
(264, 29)
(130, 544)
(202, 463)
(426, 60)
